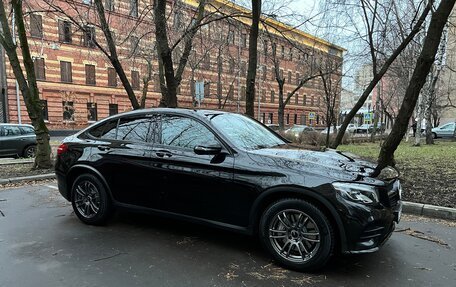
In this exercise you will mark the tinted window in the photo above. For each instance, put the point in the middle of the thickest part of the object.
(185, 132)
(134, 129)
(27, 130)
(9, 131)
(105, 131)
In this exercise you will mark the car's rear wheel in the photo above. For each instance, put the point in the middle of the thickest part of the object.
(297, 234)
(90, 201)
(29, 151)
(434, 135)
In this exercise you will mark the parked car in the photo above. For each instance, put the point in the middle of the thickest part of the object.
(274, 127)
(351, 128)
(444, 131)
(331, 130)
(364, 128)
(229, 171)
(369, 128)
(296, 130)
(17, 140)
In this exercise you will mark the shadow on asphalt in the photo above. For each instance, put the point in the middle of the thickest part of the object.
(232, 242)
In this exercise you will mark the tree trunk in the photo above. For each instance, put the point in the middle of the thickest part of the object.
(422, 68)
(427, 115)
(219, 78)
(281, 109)
(253, 58)
(376, 113)
(422, 98)
(359, 104)
(113, 57)
(171, 79)
(27, 86)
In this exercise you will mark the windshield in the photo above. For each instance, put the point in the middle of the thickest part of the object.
(244, 132)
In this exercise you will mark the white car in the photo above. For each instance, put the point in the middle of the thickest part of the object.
(445, 131)
(350, 129)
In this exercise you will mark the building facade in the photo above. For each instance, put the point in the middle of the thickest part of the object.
(78, 85)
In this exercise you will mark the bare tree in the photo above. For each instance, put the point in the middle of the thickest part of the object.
(253, 58)
(331, 80)
(424, 63)
(169, 77)
(370, 11)
(27, 83)
(84, 18)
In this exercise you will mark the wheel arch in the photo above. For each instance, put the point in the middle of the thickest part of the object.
(79, 169)
(272, 195)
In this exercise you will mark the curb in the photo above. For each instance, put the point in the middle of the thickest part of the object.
(428, 210)
(16, 161)
(27, 178)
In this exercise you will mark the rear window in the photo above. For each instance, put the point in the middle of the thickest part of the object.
(105, 131)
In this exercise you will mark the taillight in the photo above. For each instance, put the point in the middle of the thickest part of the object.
(62, 149)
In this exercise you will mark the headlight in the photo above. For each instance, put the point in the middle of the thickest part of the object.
(359, 193)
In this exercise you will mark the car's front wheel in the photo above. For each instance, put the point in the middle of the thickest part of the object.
(297, 234)
(90, 201)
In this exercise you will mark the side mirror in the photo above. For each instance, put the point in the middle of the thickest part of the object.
(213, 149)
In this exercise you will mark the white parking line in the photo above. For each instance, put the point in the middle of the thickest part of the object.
(52, 187)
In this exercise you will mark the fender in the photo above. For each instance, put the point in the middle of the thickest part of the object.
(95, 171)
(299, 192)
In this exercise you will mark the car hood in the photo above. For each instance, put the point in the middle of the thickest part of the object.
(330, 163)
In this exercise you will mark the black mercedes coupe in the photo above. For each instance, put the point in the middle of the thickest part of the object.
(230, 171)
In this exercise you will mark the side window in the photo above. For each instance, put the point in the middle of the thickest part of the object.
(184, 132)
(449, 127)
(27, 130)
(135, 129)
(10, 131)
(105, 131)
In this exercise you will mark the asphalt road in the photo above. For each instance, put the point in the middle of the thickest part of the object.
(42, 243)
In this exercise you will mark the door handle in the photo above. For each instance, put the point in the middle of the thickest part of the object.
(163, 153)
(103, 147)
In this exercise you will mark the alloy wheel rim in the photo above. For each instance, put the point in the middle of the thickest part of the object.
(294, 235)
(87, 199)
(30, 152)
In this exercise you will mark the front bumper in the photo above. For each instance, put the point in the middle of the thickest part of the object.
(367, 228)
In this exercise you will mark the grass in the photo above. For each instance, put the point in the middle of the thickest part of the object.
(428, 172)
(443, 151)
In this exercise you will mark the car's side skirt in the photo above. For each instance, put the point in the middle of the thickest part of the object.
(192, 219)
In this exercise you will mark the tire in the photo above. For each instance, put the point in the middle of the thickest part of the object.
(309, 230)
(434, 135)
(91, 203)
(29, 152)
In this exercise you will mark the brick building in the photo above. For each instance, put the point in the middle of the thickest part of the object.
(78, 85)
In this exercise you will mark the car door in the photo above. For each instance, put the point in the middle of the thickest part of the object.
(11, 142)
(195, 185)
(123, 156)
(28, 135)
